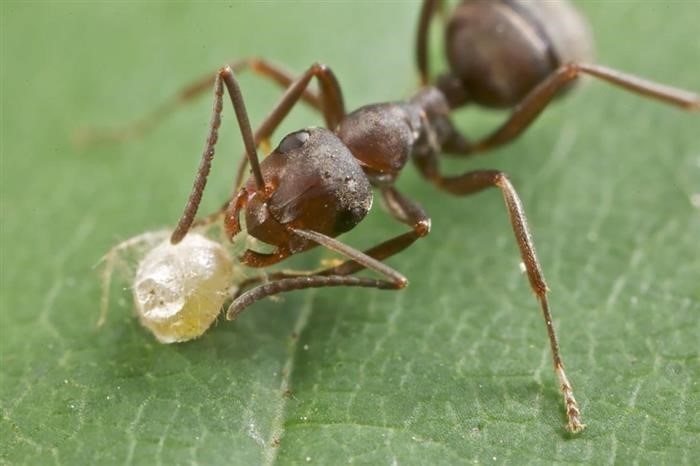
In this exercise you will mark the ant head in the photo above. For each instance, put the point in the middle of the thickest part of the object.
(312, 182)
(501, 50)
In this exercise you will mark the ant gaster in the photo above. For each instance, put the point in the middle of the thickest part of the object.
(317, 183)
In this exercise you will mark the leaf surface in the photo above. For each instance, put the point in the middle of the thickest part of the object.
(455, 368)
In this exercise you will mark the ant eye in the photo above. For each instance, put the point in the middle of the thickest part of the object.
(293, 141)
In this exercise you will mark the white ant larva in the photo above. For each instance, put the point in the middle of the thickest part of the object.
(178, 290)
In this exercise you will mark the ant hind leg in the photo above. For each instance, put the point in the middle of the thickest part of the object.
(527, 111)
(478, 180)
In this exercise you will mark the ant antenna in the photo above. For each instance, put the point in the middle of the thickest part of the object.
(234, 91)
(226, 75)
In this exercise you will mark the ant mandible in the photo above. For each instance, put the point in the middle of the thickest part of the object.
(318, 182)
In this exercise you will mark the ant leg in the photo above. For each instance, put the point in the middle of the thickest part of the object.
(401, 208)
(284, 79)
(331, 99)
(302, 282)
(395, 279)
(186, 95)
(426, 15)
(536, 101)
(405, 211)
(478, 180)
(260, 259)
(380, 252)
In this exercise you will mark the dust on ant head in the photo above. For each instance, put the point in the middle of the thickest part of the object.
(178, 290)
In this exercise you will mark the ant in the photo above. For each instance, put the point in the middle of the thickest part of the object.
(317, 183)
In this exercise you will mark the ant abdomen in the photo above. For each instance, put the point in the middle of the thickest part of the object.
(313, 182)
(501, 50)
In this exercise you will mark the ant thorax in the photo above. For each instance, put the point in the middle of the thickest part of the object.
(383, 137)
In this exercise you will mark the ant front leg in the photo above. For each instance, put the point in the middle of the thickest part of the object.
(479, 180)
(395, 280)
(401, 208)
(534, 103)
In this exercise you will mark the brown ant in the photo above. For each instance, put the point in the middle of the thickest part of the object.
(317, 183)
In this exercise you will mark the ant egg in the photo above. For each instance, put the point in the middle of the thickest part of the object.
(179, 289)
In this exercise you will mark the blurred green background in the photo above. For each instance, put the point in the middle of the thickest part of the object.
(454, 369)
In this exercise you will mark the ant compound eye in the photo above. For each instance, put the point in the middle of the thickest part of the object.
(179, 289)
(293, 141)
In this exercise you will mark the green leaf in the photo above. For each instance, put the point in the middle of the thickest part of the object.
(456, 368)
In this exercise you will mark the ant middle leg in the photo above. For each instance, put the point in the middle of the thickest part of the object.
(537, 100)
(380, 252)
(264, 68)
(330, 100)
